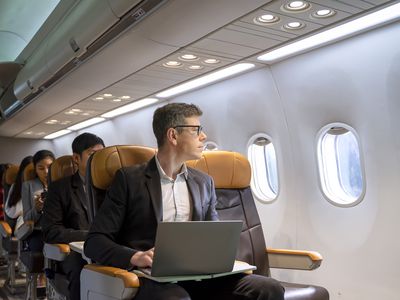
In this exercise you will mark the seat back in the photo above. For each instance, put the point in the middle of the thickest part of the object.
(62, 167)
(231, 172)
(9, 177)
(102, 166)
(29, 172)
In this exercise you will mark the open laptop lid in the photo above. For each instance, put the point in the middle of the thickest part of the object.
(195, 247)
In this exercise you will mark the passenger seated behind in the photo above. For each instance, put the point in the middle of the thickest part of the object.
(65, 215)
(13, 205)
(34, 195)
(164, 189)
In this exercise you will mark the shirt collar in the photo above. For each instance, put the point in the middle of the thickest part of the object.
(183, 171)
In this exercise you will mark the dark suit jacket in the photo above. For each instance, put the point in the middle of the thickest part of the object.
(127, 220)
(65, 216)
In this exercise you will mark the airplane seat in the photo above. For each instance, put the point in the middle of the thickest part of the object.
(57, 287)
(97, 281)
(9, 242)
(232, 174)
(32, 260)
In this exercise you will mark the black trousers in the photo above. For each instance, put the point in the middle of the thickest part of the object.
(72, 267)
(232, 287)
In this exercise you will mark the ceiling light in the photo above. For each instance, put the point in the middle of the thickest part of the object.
(266, 19)
(40, 133)
(369, 21)
(57, 134)
(76, 110)
(29, 132)
(98, 98)
(86, 123)
(126, 97)
(195, 67)
(296, 6)
(192, 84)
(116, 100)
(107, 95)
(324, 13)
(129, 107)
(70, 113)
(172, 64)
(85, 114)
(188, 57)
(211, 61)
(65, 122)
(51, 122)
(294, 25)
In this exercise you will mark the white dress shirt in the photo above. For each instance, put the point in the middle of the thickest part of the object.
(175, 196)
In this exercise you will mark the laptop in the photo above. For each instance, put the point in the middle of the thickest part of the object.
(183, 249)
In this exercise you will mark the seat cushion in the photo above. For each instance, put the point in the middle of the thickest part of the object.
(294, 291)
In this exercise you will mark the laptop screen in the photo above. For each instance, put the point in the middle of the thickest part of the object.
(195, 247)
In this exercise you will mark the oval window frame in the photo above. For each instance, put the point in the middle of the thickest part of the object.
(320, 171)
(256, 195)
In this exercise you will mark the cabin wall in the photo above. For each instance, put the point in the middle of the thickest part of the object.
(356, 82)
(14, 150)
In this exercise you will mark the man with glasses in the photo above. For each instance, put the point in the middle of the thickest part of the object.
(164, 189)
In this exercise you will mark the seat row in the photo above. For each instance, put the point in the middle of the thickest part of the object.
(231, 173)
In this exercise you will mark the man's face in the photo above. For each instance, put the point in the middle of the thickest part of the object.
(190, 140)
(81, 160)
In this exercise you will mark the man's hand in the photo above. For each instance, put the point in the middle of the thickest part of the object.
(143, 259)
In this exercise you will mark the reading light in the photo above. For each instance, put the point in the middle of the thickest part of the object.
(188, 57)
(323, 13)
(86, 123)
(192, 84)
(195, 67)
(294, 25)
(172, 64)
(296, 6)
(129, 107)
(266, 19)
(57, 134)
(107, 95)
(211, 61)
(384, 15)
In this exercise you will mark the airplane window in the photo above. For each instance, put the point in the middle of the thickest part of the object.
(210, 146)
(339, 161)
(262, 157)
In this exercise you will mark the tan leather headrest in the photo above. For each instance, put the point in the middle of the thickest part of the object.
(62, 167)
(107, 161)
(11, 174)
(29, 172)
(229, 170)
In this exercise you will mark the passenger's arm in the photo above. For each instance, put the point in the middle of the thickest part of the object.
(28, 203)
(101, 243)
(53, 218)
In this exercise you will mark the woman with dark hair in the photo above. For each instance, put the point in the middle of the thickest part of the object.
(13, 206)
(3, 168)
(34, 194)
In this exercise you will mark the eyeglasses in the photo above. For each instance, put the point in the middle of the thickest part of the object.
(199, 128)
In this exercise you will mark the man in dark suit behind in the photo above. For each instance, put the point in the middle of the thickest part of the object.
(65, 216)
(123, 231)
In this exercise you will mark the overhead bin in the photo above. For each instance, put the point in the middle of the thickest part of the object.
(62, 48)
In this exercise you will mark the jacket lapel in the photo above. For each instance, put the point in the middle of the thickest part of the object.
(79, 192)
(154, 188)
(193, 186)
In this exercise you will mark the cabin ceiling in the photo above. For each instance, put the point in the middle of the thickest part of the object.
(133, 65)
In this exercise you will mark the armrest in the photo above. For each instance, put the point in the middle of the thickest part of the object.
(56, 252)
(293, 259)
(5, 229)
(129, 279)
(24, 230)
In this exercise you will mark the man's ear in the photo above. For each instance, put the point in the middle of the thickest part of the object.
(76, 158)
(171, 136)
